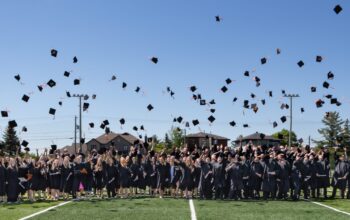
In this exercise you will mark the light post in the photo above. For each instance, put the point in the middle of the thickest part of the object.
(291, 96)
(86, 97)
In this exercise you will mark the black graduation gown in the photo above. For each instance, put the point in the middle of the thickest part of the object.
(66, 179)
(162, 175)
(322, 174)
(313, 179)
(246, 172)
(186, 180)
(39, 179)
(124, 176)
(283, 176)
(218, 175)
(255, 180)
(341, 170)
(175, 177)
(98, 179)
(269, 180)
(235, 176)
(111, 177)
(77, 177)
(196, 177)
(3, 177)
(206, 180)
(141, 181)
(135, 170)
(12, 185)
(55, 178)
(23, 183)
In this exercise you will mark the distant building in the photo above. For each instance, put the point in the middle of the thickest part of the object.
(120, 142)
(202, 139)
(257, 139)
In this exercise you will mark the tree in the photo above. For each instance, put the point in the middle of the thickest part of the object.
(177, 137)
(284, 133)
(11, 141)
(168, 143)
(332, 130)
(345, 140)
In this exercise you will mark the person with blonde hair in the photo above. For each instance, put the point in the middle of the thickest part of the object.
(55, 179)
(125, 176)
(12, 181)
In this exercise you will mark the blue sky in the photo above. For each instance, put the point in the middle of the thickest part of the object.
(118, 38)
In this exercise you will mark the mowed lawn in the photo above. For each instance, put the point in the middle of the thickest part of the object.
(152, 209)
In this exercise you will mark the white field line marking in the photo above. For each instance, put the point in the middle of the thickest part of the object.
(193, 211)
(328, 207)
(45, 210)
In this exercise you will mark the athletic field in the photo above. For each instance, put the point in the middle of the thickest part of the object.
(152, 208)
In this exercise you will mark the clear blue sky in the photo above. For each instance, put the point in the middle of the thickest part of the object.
(118, 38)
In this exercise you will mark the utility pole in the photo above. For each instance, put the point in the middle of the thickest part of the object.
(75, 134)
(309, 140)
(291, 96)
(80, 96)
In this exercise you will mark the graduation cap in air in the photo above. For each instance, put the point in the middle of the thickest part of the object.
(24, 143)
(92, 125)
(40, 88)
(102, 126)
(193, 88)
(334, 101)
(270, 93)
(179, 119)
(319, 59)
(106, 122)
(300, 63)
(137, 89)
(212, 110)
(195, 122)
(224, 89)
(330, 75)
(124, 85)
(107, 130)
(211, 119)
(93, 96)
(246, 103)
(53, 147)
(319, 103)
(283, 119)
(280, 136)
(262, 136)
(18, 77)
(54, 53)
(325, 84)
(68, 94)
(135, 128)
(275, 124)
(263, 101)
(4, 114)
(52, 111)
(113, 78)
(12, 124)
(245, 125)
(228, 81)
(187, 124)
(329, 96)
(26, 149)
(283, 92)
(122, 121)
(234, 99)
(302, 110)
(202, 102)
(66, 73)
(217, 18)
(76, 82)
(337, 9)
(252, 95)
(246, 73)
(142, 128)
(278, 51)
(25, 98)
(60, 103)
(85, 106)
(338, 103)
(313, 89)
(154, 60)
(232, 123)
(150, 107)
(51, 83)
(75, 59)
(263, 60)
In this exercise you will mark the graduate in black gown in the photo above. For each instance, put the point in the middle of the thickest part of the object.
(111, 177)
(78, 170)
(66, 183)
(124, 177)
(135, 174)
(186, 181)
(162, 175)
(246, 173)
(174, 176)
(218, 176)
(12, 181)
(340, 175)
(3, 179)
(206, 179)
(98, 178)
(256, 177)
(55, 179)
(283, 177)
(322, 175)
(235, 175)
(269, 177)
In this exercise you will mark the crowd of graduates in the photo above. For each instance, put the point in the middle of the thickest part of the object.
(217, 172)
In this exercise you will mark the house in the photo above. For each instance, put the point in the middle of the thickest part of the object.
(203, 139)
(120, 142)
(257, 139)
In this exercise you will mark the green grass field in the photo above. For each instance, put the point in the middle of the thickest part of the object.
(151, 209)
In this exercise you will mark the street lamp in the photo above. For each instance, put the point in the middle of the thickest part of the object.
(86, 97)
(291, 96)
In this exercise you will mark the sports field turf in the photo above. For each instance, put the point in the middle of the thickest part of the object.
(150, 209)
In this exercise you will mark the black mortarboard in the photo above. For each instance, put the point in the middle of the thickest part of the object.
(217, 18)
(329, 96)
(179, 119)
(212, 102)
(278, 50)
(92, 125)
(60, 103)
(325, 84)
(228, 81)
(113, 78)
(246, 103)
(263, 101)
(318, 59)
(337, 9)
(85, 106)
(245, 126)
(330, 75)
(256, 79)
(338, 103)
(246, 73)
(93, 96)
(76, 82)
(40, 88)
(12, 124)
(54, 53)
(4, 114)
(263, 60)
(300, 63)
(319, 103)
(18, 77)
(25, 98)
(283, 119)
(270, 93)
(137, 89)
(52, 111)
(199, 96)
(280, 136)
(313, 89)
(302, 110)
(202, 102)
(262, 136)
(142, 128)
(124, 85)
(135, 128)
(66, 73)
(193, 88)
(252, 95)
(102, 126)
(212, 110)
(195, 122)
(75, 59)
(26, 149)
(233, 123)
(224, 89)
(283, 92)
(275, 124)
(24, 129)
(82, 141)
(51, 83)
(24, 143)
(122, 121)
(334, 101)
(149, 107)
(54, 147)
(154, 60)
(68, 94)
(107, 130)
(211, 119)
(187, 124)
(106, 122)
(235, 99)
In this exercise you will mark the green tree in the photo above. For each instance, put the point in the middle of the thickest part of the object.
(284, 133)
(177, 137)
(332, 130)
(11, 141)
(346, 133)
